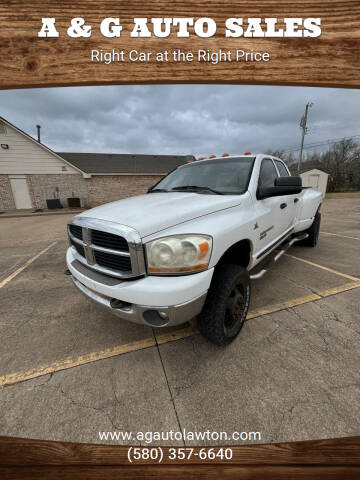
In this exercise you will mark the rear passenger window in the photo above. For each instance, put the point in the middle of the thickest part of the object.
(268, 174)
(282, 169)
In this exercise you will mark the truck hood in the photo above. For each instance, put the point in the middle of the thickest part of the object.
(153, 212)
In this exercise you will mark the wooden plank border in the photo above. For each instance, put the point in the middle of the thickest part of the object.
(315, 459)
(21, 452)
(330, 60)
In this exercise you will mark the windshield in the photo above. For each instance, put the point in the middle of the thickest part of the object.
(227, 176)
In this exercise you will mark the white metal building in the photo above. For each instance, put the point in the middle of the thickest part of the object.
(317, 179)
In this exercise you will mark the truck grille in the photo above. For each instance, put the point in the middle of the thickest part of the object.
(119, 254)
(76, 231)
(115, 262)
(109, 240)
(79, 248)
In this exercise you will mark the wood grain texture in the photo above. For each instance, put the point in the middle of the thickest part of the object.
(318, 459)
(184, 472)
(333, 59)
(16, 452)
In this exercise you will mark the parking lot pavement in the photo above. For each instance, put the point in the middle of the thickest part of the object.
(71, 369)
(340, 236)
(54, 322)
(292, 375)
(22, 238)
(342, 215)
(124, 393)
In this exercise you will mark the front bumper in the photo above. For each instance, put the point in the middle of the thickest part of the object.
(153, 301)
(152, 316)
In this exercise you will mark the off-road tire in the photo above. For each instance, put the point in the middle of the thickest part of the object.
(313, 232)
(226, 305)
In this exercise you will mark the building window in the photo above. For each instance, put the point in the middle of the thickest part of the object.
(2, 129)
(63, 169)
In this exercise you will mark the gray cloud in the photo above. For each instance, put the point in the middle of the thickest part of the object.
(181, 119)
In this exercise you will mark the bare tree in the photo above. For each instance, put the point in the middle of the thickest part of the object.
(341, 161)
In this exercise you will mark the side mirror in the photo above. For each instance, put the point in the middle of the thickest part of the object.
(282, 186)
(150, 188)
(288, 182)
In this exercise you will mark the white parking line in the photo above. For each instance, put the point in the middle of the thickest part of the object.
(331, 270)
(26, 264)
(337, 235)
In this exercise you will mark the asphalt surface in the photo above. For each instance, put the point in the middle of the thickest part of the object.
(71, 369)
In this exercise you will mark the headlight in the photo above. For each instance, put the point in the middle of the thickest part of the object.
(179, 254)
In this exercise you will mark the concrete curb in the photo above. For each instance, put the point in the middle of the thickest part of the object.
(40, 214)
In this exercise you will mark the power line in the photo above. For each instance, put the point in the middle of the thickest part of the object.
(319, 144)
(293, 148)
(328, 142)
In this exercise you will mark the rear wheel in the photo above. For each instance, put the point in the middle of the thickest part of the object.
(227, 304)
(313, 232)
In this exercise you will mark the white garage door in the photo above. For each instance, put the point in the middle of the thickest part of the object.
(20, 192)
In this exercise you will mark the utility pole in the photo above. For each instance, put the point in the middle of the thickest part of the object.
(303, 123)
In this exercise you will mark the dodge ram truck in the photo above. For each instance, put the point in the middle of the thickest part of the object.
(191, 246)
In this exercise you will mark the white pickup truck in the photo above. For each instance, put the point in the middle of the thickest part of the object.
(189, 247)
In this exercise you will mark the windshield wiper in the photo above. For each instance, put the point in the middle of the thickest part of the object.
(157, 190)
(196, 188)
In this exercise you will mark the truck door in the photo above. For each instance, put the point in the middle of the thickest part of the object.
(275, 214)
(293, 204)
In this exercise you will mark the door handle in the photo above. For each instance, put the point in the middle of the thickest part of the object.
(283, 205)
(296, 200)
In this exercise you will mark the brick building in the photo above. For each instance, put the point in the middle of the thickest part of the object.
(31, 173)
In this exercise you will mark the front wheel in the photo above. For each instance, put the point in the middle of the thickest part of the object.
(226, 305)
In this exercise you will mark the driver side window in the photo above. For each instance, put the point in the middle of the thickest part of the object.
(268, 174)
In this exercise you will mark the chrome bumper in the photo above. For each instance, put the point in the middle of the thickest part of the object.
(145, 315)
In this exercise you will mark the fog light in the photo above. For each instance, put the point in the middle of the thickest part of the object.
(155, 318)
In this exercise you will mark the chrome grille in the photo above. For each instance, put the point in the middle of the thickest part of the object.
(76, 231)
(108, 247)
(112, 261)
(109, 240)
(79, 248)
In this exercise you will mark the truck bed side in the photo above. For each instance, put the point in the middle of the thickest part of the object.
(309, 204)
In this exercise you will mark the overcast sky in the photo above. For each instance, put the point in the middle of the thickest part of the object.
(181, 119)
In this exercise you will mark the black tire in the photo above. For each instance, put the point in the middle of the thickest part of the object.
(226, 305)
(313, 232)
